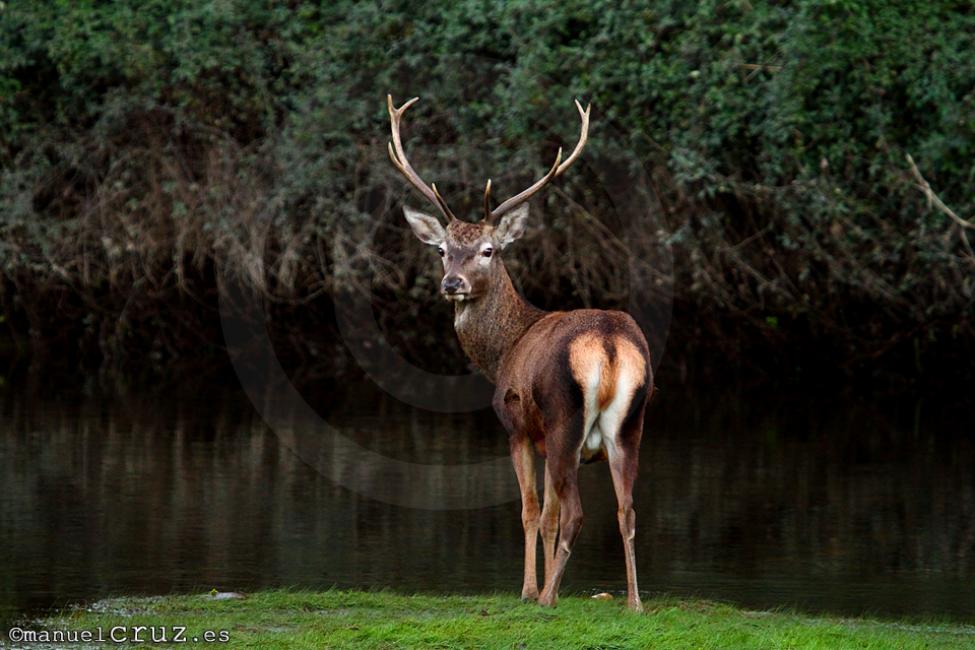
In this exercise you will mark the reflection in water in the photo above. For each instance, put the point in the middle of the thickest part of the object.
(821, 505)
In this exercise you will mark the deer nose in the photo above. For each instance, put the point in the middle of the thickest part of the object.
(452, 284)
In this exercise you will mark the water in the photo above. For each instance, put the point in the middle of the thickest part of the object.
(824, 505)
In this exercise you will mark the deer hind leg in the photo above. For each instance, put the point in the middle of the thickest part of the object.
(563, 462)
(522, 455)
(550, 523)
(623, 454)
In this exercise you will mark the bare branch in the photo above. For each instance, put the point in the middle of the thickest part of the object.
(933, 199)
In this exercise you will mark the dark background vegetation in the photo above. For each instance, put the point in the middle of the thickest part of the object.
(152, 150)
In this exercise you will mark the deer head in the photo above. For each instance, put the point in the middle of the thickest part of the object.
(470, 250)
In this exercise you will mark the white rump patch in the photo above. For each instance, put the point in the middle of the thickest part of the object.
(593, 437)
(601, 426)
(611, 418)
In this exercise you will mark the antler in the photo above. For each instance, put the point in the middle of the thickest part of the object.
(398, 156)
(491, 216)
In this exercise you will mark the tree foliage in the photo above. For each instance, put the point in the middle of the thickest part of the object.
(148, 148)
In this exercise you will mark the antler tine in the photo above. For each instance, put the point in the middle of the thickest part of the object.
(583, 138)
(520, 198)
(557, 169)
(487, 200)
(398, 156)
(441, 203)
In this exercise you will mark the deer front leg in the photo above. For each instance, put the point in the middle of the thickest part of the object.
(550, 523)
(523, 458)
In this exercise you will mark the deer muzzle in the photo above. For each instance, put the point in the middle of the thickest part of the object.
(455, 287)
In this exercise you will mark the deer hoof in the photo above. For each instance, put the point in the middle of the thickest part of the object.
(635, 606)
(529, 595)
(547, 599)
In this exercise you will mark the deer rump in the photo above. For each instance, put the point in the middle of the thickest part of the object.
(584, 373)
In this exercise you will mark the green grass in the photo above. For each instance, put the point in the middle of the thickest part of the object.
(350, 619)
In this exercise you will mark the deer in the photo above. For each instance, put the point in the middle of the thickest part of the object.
(571, 386)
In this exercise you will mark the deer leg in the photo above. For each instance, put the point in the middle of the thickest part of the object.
(623, 470)
(550, 523)
(523, 458)
(565, 481)
(623, 455)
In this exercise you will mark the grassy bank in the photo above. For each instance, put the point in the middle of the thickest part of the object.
(294, 619)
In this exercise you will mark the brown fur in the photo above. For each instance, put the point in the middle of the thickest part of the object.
(465, 233)
(544, 365)
(540, 362)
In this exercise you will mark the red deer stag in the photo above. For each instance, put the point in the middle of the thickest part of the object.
(573, 385)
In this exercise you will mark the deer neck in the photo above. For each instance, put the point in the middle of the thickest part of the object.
(490, 325)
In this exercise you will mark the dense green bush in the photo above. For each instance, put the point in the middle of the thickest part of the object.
(150, 148)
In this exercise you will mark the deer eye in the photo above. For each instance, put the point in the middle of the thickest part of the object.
(487, 252)
(440, 251)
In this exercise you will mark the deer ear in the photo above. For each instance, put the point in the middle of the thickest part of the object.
(512, 226)
(426, 228)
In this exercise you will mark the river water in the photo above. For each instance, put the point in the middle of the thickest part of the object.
(843, 505)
